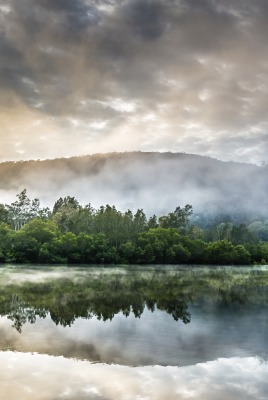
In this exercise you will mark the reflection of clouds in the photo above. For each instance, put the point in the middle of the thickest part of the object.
(130, 341)
(155, 338)
(215, 331)
(26, 376)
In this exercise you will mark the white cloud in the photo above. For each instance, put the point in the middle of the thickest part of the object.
(120, 105)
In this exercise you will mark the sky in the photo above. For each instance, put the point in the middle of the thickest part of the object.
(95, 76)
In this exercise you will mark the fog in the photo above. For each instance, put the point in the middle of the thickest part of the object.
(156, 182)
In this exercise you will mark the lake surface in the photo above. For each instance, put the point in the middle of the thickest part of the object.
(158, 332)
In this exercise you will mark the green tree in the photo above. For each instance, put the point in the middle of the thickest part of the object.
(23, 210)
(165, 245)
(224, 252)
(5, 230)
(178, 219)
(111, 222)
(21, 248)
(152, 222)
(42, 231)
(19, 211)
(259, 229)
(127, 252)
(139, 222)
(65, 213)
(3, 214)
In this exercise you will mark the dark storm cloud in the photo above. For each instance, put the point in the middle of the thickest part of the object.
(147, 73)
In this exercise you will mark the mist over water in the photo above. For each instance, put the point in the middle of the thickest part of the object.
(155, 332)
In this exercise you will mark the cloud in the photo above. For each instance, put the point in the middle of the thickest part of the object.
(200, 68)
(146, 18)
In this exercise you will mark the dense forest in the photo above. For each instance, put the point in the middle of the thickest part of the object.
(72, 233)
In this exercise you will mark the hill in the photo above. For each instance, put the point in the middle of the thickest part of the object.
(156, 182)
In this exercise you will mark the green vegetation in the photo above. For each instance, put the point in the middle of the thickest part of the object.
(76, 234)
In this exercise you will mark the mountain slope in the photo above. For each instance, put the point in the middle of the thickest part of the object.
(156, 182)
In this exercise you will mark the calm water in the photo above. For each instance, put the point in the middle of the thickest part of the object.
(133, 333)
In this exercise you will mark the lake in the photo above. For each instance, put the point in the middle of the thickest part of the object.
(119, 333)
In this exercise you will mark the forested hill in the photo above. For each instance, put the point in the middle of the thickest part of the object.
(156, 182)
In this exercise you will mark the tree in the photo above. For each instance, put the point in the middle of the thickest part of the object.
(23, 210)
(152, 222)
(178, 219)
(19, 210)
(224, 252)
(139, 222)
(3, 213)
(242, 234)
(4, 234)
(65, 203)
(259, 229)
(163, 246)
(21, 248)
(42, 231)
(111, 222)
(65, 213)
(128, 252)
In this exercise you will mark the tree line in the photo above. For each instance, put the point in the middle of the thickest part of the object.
(72, 233)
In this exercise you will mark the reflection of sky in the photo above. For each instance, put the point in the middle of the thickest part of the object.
(155, 338)
(219, 355)
(215, 331)
(32, 376)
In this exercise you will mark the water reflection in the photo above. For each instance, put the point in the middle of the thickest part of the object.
(87, 293)
(136, 317)
(26, 376)
(19, 313)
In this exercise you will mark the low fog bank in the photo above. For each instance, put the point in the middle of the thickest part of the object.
(156, 182)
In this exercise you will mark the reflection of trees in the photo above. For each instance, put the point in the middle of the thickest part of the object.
(233, 296)
(19, 313)
(176, 308)
(65, 302)
(105, 295)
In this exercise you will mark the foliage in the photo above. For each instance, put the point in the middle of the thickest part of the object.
(73, 233)
(24, 210)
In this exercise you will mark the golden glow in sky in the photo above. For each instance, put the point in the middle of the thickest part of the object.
(79, 77)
